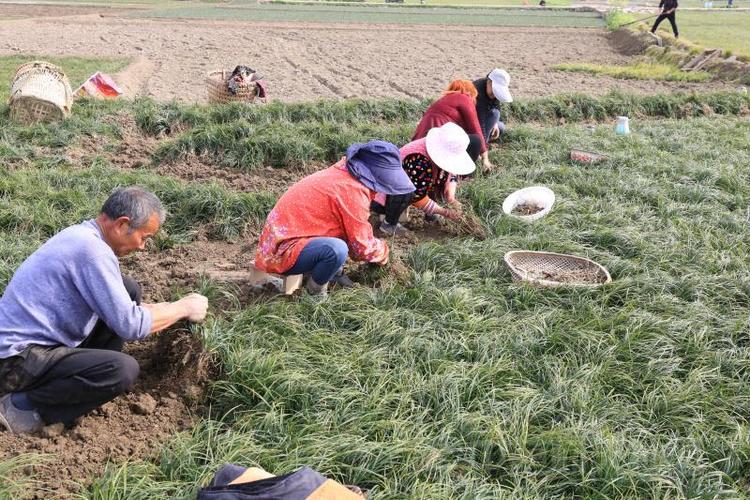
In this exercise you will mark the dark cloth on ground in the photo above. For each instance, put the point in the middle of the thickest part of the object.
(297, 485)
(64, 383)
(454, 107)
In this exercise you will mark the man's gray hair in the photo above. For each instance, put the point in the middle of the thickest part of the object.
(135, 203)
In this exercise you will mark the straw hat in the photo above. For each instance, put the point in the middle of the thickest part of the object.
(446, 146)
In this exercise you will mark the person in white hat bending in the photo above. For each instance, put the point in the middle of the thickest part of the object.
(433, 164)
(491, 91)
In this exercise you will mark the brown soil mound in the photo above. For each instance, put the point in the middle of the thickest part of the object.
(174, 370)
(196, 169)
(629, 42)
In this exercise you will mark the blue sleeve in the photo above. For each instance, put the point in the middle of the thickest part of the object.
(99, 282)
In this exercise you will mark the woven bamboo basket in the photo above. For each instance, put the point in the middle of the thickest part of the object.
(40, 92)
(550, 269)
(218, 93)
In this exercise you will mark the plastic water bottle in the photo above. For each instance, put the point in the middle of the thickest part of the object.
(623, 125)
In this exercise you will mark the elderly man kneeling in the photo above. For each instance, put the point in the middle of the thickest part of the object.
(324, 218)
(67, 311)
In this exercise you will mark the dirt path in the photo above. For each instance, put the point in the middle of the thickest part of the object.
(311, 61)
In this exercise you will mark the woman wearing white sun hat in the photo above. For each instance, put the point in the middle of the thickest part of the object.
(434, 165)
(491, 91)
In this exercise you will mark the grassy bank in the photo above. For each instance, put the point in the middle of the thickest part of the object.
(461, 383)
(637, 71)
(718, 29)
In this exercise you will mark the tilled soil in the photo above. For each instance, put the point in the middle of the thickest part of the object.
(174, 371)
(303, 62)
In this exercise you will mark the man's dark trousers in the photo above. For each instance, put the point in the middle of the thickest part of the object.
(64, 383)
(672, 21)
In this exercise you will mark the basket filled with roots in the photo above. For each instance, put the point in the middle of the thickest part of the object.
(39, 93)
(550, 269)
(224, 86)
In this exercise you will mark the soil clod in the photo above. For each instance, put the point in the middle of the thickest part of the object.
(144, 405)
(53, 430)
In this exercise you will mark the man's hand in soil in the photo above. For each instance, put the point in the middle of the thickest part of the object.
(196, 306)
(192, 307)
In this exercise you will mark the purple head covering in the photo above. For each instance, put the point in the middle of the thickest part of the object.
(377, 165)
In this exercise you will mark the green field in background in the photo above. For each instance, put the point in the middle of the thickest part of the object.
(384, 14)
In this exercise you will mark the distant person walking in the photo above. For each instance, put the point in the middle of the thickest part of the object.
(668, 9)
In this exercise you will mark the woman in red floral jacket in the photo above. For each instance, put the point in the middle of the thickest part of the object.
(323, 219)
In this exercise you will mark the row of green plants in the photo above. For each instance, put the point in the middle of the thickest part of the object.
(288, 134)
(639, 70)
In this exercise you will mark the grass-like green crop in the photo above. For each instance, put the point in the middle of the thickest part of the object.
(77, 69)
(466, 385)
(638, 71)
(616, 18)
(462, 383)
(382, 14)
(14, 483)
(288, 134)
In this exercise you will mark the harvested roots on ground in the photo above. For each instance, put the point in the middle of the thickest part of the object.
(468, 223)
(526, 209)
(397, 270)
(568, 276)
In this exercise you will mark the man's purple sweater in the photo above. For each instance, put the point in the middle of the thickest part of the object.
(57, 295)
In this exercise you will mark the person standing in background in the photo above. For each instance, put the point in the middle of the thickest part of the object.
(668, 9)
